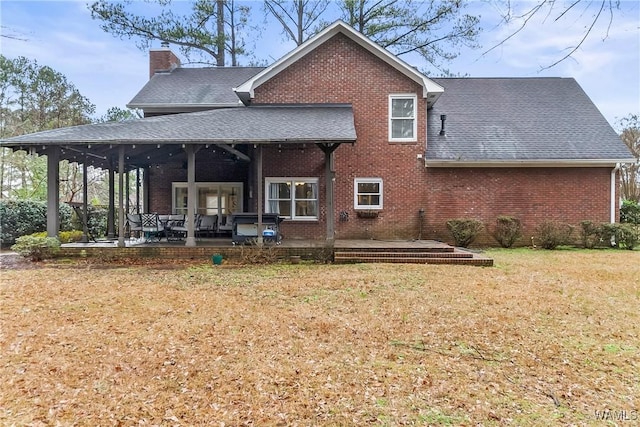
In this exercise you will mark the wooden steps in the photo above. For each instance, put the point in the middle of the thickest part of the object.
(448, 255)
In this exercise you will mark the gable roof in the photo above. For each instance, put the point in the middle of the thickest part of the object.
(431, 89)
(519, 121)
(192, 89)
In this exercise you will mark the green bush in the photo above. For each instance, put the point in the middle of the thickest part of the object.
(24, 217)
(591, 234)
(464, 230)
(36, 248)
(551, 234)
(630, 212)
(508, 230)
(64, 236)
(96, 223)
(627, 235)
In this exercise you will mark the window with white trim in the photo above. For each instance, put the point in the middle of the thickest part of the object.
(367, 193)
(292, 198)
(403, 126)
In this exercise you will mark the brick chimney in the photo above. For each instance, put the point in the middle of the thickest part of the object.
(162, 59)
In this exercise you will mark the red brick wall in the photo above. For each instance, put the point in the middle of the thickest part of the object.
(341, 71)
(162, 60)
(530, 194)
(212, 165)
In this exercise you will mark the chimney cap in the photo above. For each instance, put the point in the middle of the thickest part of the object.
(164, 44)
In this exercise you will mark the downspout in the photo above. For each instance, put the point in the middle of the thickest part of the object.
(614, 171)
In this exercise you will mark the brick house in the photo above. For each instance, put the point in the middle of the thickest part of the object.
(346, 141)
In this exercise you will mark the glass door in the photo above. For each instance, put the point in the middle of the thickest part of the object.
(214, 198)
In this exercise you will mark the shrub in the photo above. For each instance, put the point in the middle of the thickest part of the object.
(627, 235)
(551, 234)
(630, 212)
(590, 234)
(464, 230)
(251, 253)
(24, 217)
(508, 230)
(96, 223)
(36, 248)
(64, 236)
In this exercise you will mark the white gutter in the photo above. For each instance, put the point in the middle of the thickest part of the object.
(614, 171)
(538, 163)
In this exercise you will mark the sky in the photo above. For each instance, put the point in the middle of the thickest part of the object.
(110, 71)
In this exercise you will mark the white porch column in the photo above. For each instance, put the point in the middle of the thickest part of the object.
(53, 191)
(191, 195)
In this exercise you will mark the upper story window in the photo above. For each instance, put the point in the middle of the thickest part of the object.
(403, 126)
(368, 193)
(293, 198)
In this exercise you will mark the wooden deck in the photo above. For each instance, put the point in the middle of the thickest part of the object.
(343, 251)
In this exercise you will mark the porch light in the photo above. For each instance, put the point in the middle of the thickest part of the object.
(133, 146)
(158, 146)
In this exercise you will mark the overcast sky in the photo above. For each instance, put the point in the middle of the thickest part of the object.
(110, 71)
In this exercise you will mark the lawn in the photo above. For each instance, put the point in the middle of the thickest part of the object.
(542, 338)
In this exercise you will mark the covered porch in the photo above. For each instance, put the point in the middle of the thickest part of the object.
(139, 145)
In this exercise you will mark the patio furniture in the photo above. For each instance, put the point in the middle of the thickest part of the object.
(133, 225)
(151, 227)
(174, 227)
(245, 228)
(208, 226)
(179, 230)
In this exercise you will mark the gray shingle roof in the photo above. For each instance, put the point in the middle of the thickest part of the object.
(193, 88)
(256, 124)
(519, 120)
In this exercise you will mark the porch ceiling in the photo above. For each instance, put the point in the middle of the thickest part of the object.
(162, 138)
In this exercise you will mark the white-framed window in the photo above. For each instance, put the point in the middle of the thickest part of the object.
(292, 198)
(403, 125)
(367, 193)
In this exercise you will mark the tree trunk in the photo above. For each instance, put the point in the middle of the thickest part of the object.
(221, 35)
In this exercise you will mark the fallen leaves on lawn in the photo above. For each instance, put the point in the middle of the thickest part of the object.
(543, 338)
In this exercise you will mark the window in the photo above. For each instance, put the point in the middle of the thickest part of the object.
(368, 193)
(293, 198)
(402, 118)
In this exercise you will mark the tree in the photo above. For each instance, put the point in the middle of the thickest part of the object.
(33, 98)
(117, 114)
(210, 30)
(630, 172)
(600, 10)
(433, 29)
(300, 19)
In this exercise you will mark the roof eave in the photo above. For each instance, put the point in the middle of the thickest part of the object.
(162, 106)
(548, 163)
(174, 141)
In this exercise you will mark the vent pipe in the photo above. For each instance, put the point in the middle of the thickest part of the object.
(443, 118)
